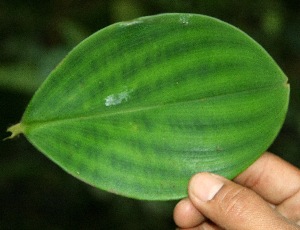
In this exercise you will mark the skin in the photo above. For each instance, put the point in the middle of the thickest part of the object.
(265, 196)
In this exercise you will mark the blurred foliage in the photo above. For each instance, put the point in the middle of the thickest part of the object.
(36, 35)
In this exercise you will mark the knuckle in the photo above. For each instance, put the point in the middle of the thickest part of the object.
(235, 202)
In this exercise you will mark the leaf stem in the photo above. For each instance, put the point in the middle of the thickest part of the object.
(15, 131)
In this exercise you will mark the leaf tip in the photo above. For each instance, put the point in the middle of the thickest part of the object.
(15, 131)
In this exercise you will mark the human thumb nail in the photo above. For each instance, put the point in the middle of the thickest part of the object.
(205, 186)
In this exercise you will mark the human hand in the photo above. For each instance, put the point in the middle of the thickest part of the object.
(265, 196)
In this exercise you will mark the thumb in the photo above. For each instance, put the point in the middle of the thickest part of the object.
(232, 206)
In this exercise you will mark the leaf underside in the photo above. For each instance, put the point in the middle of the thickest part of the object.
(139, 107)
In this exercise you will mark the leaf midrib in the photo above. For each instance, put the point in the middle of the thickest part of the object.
(138, 109)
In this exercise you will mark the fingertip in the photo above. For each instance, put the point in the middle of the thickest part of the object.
(204, 186)
(186, 215)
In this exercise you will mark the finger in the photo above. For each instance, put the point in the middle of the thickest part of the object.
(209, 226)
(272, 178)
(290, 208)
(232, 206)
(186, 215)
(203, 226)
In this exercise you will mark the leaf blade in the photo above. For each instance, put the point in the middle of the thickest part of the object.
(136, 109)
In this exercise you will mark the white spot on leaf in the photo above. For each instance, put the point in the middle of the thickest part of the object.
(184, 19)
(115, 99)
(130, 23)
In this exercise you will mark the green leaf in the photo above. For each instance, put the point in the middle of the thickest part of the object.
(139, 107)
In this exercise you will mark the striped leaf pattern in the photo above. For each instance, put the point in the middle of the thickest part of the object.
(139, 107)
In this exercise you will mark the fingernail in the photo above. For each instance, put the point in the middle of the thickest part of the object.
(205, 186)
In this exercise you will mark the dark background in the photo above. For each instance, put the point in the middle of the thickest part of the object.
(35, 35)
